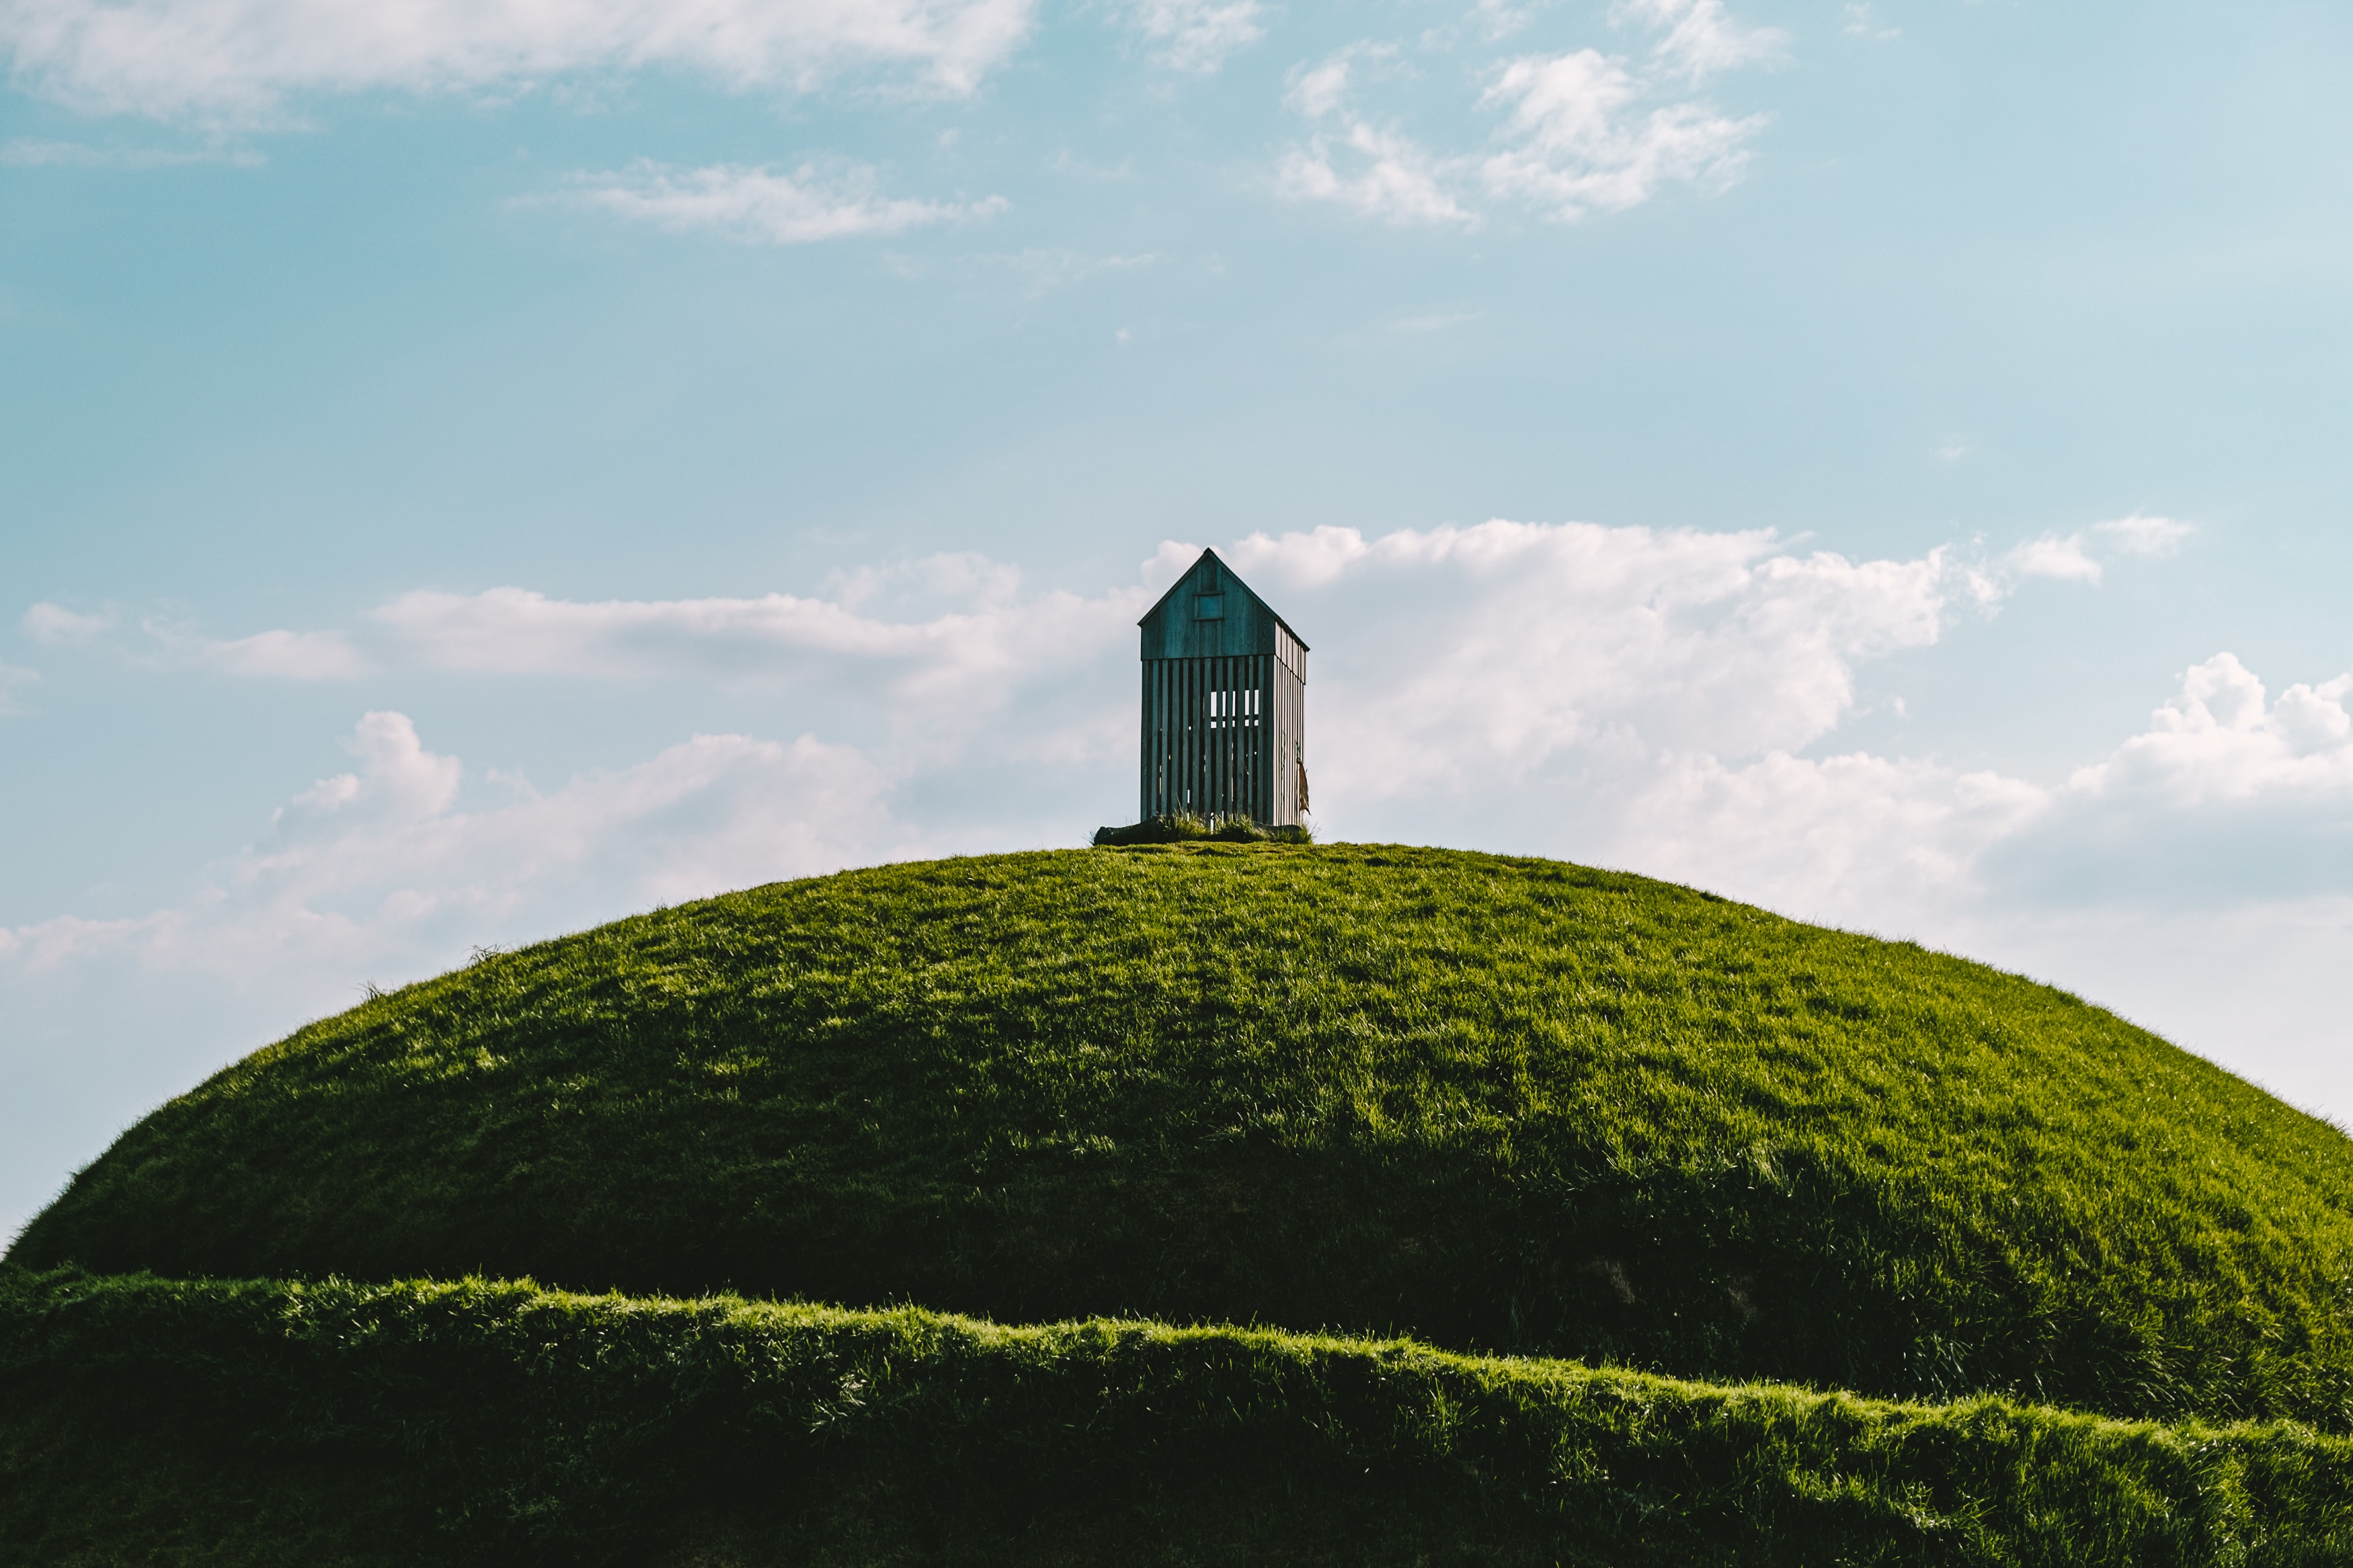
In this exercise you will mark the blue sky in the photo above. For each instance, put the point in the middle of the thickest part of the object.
(473, 471)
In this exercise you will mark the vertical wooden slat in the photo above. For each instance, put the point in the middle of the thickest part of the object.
(1184, 716)
(1225, 740)
(1220, 735)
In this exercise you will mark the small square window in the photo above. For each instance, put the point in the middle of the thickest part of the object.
(1210, 608)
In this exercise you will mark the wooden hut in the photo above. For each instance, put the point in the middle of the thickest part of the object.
(1225, 703)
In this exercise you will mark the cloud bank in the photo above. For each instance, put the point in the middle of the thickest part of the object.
(380, 864)
(1664, 700)
(813, 202)
(1670, 703)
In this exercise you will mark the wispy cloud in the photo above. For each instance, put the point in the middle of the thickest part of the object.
(941, 644)
(2152, 538)
(61, 628)
(1701, 39)
(1374, 171)
(2079, 556)
(285, 656)
(1577, 142)
(240, 61)
(1581, 132)
(1197, 35)
(169, 644)
(814, 203)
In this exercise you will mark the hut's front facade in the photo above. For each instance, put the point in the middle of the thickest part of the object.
(1225, 703)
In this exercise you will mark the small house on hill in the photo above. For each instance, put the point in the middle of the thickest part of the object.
(1225, 703)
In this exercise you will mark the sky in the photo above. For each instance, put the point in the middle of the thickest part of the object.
(474, 469)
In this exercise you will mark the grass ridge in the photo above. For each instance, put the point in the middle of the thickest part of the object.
(566, 1427)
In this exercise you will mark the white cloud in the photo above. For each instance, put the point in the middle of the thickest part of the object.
(290, 656)
(301, 655)
(380, 867)
(58, 626)
(1574, 144)
(1374, 172)
(813, 202)
(401, 780)
(953, 639)
(2064, 558)
(1658, 699)
(1197, 35)
(1701, 40)
(2220, 739)
(1322, 89)
(946, 633)
(1880, 841)
(2075, 557)
(2153, 537)
(1507, 646)
(238, 61)
(1581, 133)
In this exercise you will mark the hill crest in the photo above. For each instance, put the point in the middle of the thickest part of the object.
(1500, 1103)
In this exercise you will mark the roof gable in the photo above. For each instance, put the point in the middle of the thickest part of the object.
(1209, 612)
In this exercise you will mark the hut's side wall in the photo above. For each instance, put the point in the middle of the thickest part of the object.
(1287, 705)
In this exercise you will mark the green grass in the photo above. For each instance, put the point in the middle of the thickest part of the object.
(254, 1423)
(1504, 1105)
(1720, 1240)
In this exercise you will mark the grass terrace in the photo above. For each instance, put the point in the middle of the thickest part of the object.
(1570, 1216)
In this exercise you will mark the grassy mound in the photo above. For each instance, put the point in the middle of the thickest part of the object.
(1504, 1105)
(257, 1423)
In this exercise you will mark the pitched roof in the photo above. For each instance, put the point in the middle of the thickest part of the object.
(1210, 611)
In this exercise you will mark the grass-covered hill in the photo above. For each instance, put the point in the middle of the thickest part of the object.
(1506, 1106)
